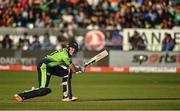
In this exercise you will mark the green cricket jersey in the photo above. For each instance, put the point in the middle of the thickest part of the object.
(59, 57)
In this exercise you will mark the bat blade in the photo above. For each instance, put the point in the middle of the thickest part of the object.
(97, 58)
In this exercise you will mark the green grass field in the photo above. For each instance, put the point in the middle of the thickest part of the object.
(96, 91)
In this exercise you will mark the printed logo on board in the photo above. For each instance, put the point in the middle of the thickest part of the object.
(95, 40)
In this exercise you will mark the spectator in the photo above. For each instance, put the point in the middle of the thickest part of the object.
(92, 25)
(137, 42)
(140, 44)
(79, 18)
(114, 40)
(46, 45)
(36, 43)
(7, 42)
(67, 16)
(26, 44)
(71, 28)
(176, 26)
(168, 43)
(61, 40)
(128, 13)
(20, 44)
(39, 23)
(23, 43)
(177, 13)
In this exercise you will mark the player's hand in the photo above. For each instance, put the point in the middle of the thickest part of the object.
(81, 69)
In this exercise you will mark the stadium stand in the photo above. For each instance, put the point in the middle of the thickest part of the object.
(82, 13)
(90, 14)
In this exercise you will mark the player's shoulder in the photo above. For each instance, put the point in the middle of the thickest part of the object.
(65, 53)
(64, 50)
(66, 56)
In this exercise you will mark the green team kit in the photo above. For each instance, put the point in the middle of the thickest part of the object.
(53, 64)
(59, 57)
(48, 66)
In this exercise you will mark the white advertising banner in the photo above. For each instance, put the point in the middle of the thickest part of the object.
(144, 58)
(153, 38)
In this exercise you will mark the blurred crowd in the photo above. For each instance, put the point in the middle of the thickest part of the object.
(114, 41)
(55, 42)
(109, 15)
(138, 43)
(90, 14)
(24, 42)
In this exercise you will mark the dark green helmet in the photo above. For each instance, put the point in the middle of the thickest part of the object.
(73, 44)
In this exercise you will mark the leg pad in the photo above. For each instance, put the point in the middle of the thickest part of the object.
(35, 93)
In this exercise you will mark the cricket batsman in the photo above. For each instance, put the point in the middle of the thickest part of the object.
(57, 63)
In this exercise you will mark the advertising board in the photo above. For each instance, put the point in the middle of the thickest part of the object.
(153, 38)
(144, 58)
(32, 57)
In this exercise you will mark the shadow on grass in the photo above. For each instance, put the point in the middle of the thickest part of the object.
(91, 100)
(130, 99)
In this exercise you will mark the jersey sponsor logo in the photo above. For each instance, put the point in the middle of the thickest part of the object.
(95, 40)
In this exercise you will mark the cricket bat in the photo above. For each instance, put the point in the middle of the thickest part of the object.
(96, 58)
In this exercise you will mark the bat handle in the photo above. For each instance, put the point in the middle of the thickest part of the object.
(89, 63)
(85, 65)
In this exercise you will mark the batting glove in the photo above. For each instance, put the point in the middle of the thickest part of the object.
(81, 69)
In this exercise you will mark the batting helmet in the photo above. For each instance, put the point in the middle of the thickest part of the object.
(73, 44)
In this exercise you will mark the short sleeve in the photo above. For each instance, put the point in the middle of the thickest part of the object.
(67, 60)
